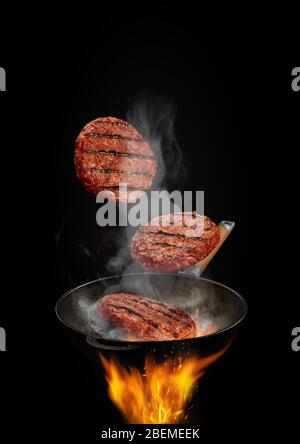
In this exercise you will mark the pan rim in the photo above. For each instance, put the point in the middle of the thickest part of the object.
(148, 343)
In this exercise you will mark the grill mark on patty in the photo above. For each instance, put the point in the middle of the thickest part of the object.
(178, 247)
(185, 249)
(164, 305)
(181, 236)
(115, 136)
(115, 153)
(108, 122)
(150, 254)
(155, 333)
(148, 305)
(130, 296)
(109, 171)
(131, 311)
(173, 318)
(182, 224)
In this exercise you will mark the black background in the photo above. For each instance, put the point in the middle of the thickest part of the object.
(236, 124)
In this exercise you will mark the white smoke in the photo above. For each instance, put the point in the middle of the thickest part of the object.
(154, 117)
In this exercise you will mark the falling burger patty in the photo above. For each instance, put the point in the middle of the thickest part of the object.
(174, 241)
(109, 152)
(145, 318)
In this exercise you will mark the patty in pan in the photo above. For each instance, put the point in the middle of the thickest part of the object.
(146, 319)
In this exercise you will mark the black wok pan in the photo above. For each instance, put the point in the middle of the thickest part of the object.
(210, 304)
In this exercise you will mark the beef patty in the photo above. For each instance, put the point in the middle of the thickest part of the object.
(109, 152)
(146, 319)
(175, 241)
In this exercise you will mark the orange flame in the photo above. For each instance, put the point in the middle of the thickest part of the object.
(161, 394)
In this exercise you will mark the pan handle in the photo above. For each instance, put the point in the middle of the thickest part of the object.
(225, 228)
(100, 346)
